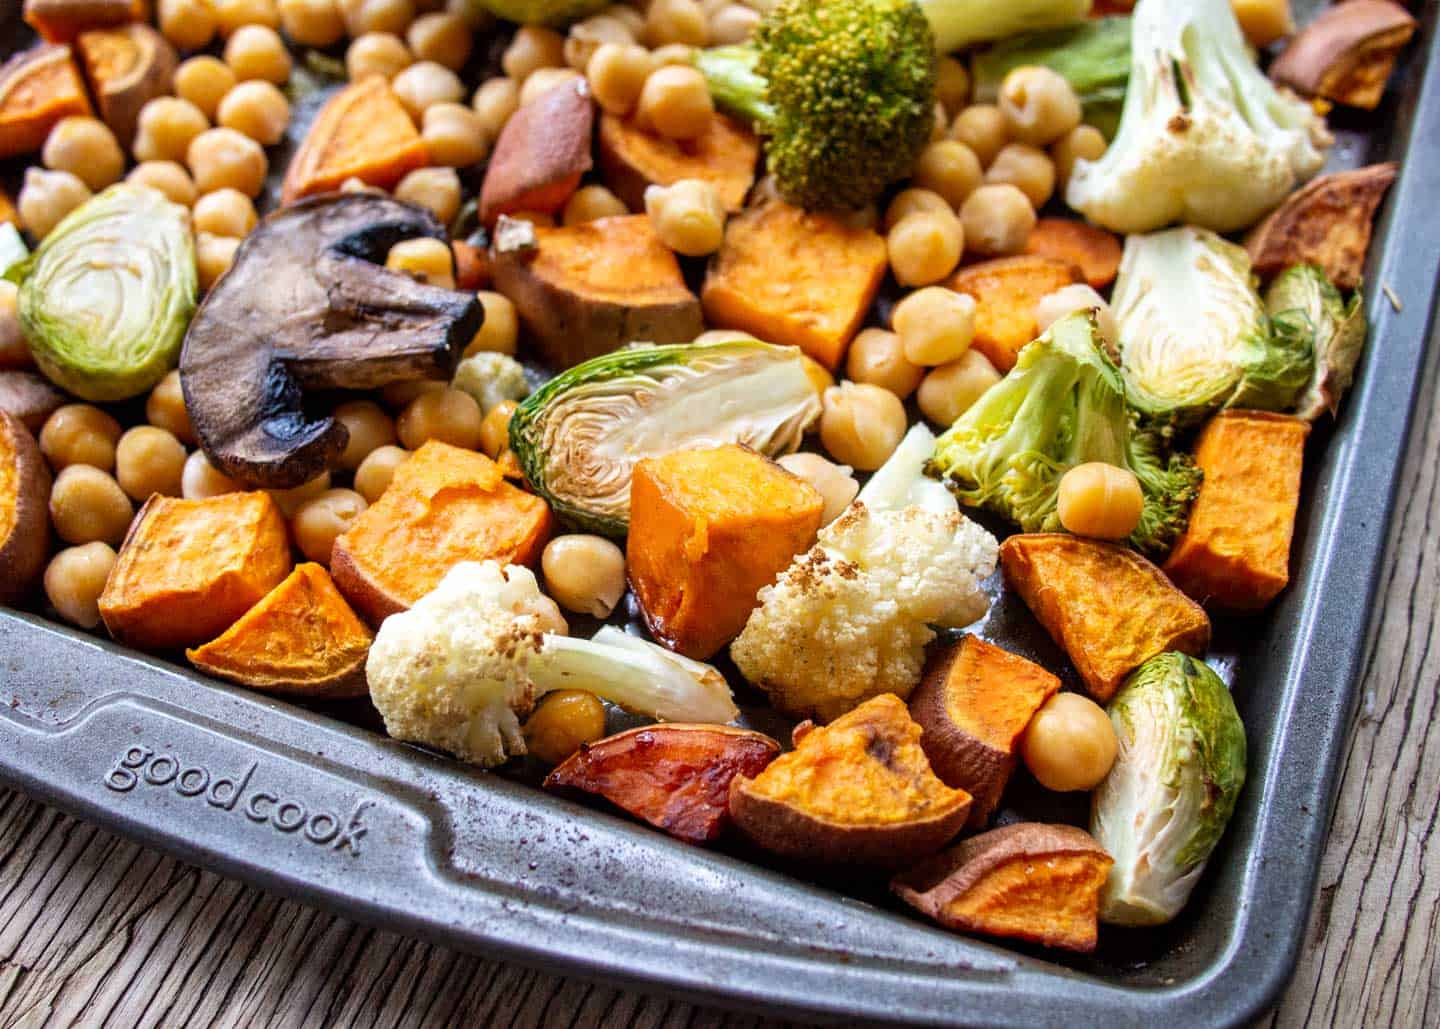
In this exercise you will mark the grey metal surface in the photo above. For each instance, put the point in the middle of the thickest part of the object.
(308, 804)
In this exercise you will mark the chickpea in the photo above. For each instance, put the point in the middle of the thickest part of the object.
(585, 574)
(500, 331)
(213, 257)
(454, 136)
(1078, 297)
(1039, 105)
(189, 24)
(678, 54)
(998, 220)
(545, 80)
(591, 203)
(318, 521)
(225, 212)
(733, 23)
(925, 247)
(628, 15)
(1085, 143)
(534, 47)
(1264, 21)
(425, 84)
(86, 148)
(47, 197)
(166, 177)
(165, 128)
(398, 395)
(1027, 168)
(370, 428)
(442, 38)
(952, 85)
(165, 408)
(936, 325)
(495, 429)
(495, 101)
(587, 36)
(149, 460)
(223, 158)
(819, 376)
(257, 52)
(79, 434)
(74, 580)
(291, 500)
(565, 721)
(257, 109)
(425, 259)
(675, 21)
(377, 53)
(834, 482)
(861, 425)
(676, 102)
(87, 505)
(203, 81)
(355, 184)
(912, 201)
(435, 188)
(948, 391)
(449, 415)
(949, 168)
(617, 73)
(687, 216)
(201, 480)
(362, 16)
(314, 23)
(233, 15)
(981, 127)
(1100, 500)
(1070, 744)
(877, 358)
(373, 476)
(14, 351)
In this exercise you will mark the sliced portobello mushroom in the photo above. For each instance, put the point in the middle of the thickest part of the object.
(307, 306)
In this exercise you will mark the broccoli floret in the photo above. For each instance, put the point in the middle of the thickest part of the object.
(548, 12)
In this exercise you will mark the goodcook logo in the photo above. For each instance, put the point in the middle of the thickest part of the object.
(141, 766)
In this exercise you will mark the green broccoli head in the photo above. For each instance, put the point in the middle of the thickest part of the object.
(548, 12)
(1062, 405)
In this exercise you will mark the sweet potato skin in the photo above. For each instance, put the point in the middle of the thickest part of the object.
(362, 132)
(1235, 553)
(188, 569)
(1094, 251)
(301, 639)
(790, 276)
(1006, 291)
(974, 703)
(24, 510)
(127, 67)
(60, 21)
(675, 776)
(541, 154)
(444, 505)
(1109, 608)
(38, 87)
(633, 158)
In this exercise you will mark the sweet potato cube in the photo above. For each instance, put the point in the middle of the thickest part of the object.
(708, 530)
(60, 21)
(974, 704)
(1034, 882)
(1006, 291)
(1235, 553)
(444, 505)
(1108, 607)
(362, 132)
(797, 277)
(674, 776)
(1094, 251)
(302, 639)
(633, 158)
(188, 569)
(38, 87)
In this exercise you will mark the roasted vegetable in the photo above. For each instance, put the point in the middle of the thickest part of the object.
(634, 157)
(1305, 297)
(59, 21)
(127, 67)
(1347, 53)
(106, 298)
(542, 152)
(38, 87)
(580, 435)
(1204, 139)
(1062, 405)
(24, 510)
(1167, 800)
(30, 397)
(1095, 252)
(548, 12)
(491, 378)
(1006, 291)
(363, 132)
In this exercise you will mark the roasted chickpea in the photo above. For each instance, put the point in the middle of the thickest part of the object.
(533, 47)
(543, 80)
(428, 260)
(591, 203)
(949, 168)
(1264, 21)
(983, 129)
(617, 74)
(74, 580)
(687, 216)
(500, 331)
(165, 408)
(87, 505)
(585, 574)
(1078, 297)
(213, 256)
(861, 425)
(1085, 143)
(165, 129)
(398, 395)
(952, 85)
(435, 188)
(165, 177)
(1070, 744)
(189, 24)
(1039, 105)
(86, 148)
(223, 158)
(255, 52)
(675, 21)
(585, 37)
(455, 136)
(233, 15)
(448, 415)
(998, 220)
(425, 84)
(291, 500)
(630, 16)
(877, 358)
(936, 325)
(925, 247)
(201, 480)
(362, 16)
(1027, 168)
(834, 482)
(495, 101)
(914, 201)
(225, 212)
(149, 460)
(258, 109)
(442, 38)
(47, 197)
(318, 521)
(678, 54)
(676, 102)
(314, 23)
(948, 391)
(565, 721)
(495, 429)
(377, 53)
(370, 428)
(203, 81)
(733, 23)
(14, 351)
(373, 476)
(79, 434)
(1100, 500)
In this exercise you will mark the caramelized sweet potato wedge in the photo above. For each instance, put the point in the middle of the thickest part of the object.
(1347, 53)
(30, 397)
(127, 67)
(24, 510)
(542, 152)
(675, 776)
(1091, 249)
(1006, 291)
(362, 132)
(633, 158)
(38, 87)
(1030, 881)
(8, 214)
(60, 21)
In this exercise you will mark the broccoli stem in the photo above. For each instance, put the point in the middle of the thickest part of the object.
(734, 83)
(959, 23)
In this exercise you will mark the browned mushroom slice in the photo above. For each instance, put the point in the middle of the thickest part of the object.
(1347, 54)
(306, 306)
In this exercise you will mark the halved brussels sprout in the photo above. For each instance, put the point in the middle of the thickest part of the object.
(1304, 299)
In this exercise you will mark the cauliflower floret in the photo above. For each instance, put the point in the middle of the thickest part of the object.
(850, 619)
(491, 378)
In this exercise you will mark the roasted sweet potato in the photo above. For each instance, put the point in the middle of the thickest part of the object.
(472, 267)
(674, 776)
(1235, 554)
(597, 286)
(974, 704)
(362, 132)
(1327, 222)
(301, 639)
(24, 510)
(189, 568)
(1006, 291)
(858, 791)
(60, 21)
(542, 152)
(444, 505)
(1094, 251)
(1110, 609)
(127, 67)
(786, 275)
(1030, 881)
(708, 530)
(38, 87)
(30, 397)
(633, 158)
(8, 214)
(1347, 53)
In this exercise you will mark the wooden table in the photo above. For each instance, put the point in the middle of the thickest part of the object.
(94, 929)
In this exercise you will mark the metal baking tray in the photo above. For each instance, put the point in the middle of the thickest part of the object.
(314, 804)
